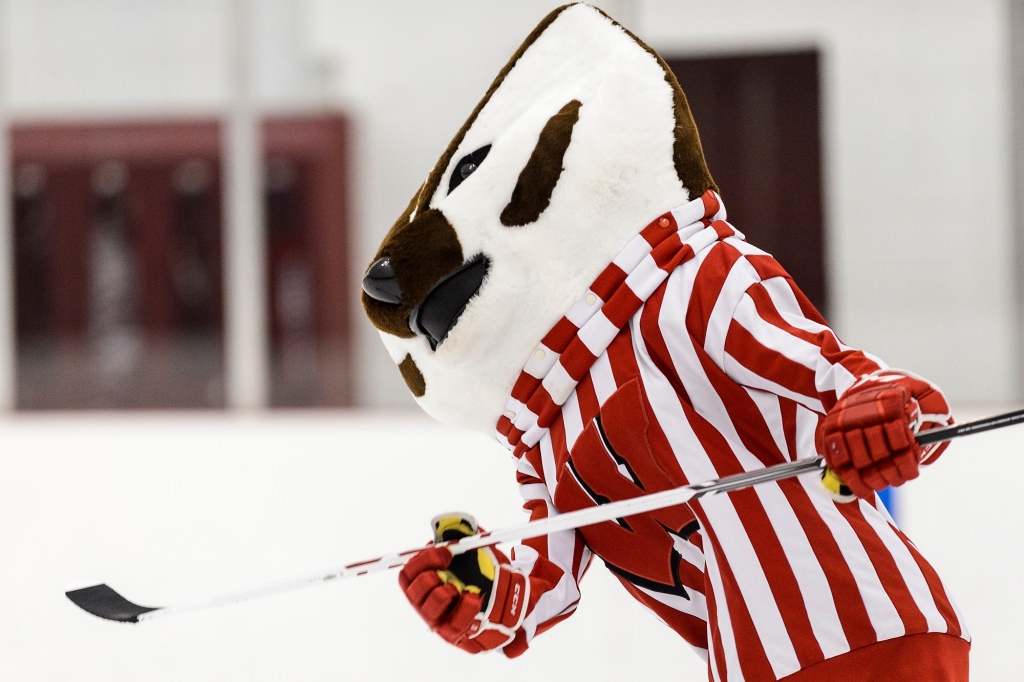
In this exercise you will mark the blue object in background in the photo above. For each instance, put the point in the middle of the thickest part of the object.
(888, 498)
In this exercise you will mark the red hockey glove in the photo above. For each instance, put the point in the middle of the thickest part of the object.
(867, 438)
(475, 600)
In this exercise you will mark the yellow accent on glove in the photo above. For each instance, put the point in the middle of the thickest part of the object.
(461, 525)
(464, 571)
(835, 487)
(449, 578)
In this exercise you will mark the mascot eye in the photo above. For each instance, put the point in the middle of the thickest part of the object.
(465, 167)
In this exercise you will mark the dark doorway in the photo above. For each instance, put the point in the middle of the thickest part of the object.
(759, 122)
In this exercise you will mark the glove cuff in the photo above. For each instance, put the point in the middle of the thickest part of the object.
(505, 611)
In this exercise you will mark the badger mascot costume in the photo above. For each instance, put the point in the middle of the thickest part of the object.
(566, 278)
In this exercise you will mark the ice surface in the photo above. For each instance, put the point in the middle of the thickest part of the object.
(176, 507)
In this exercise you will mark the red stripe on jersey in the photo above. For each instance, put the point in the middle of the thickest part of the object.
(622, 359)
(938, 590)
(651, 332)
(664, 253)
(788, 409)
(852, 613)
(504, 425)
(712, 204)
(768, 363)
(608, 281)
(540, 403)
(577, 359)
(753, 659)
(559, 443)
(621, 307)
(723, 229)
(525, 385)
(560, 335)
(707, 289)
(659, 228)
(779, 573)
(889, 573)
(767, 268)
(586, 397)
(674, 260)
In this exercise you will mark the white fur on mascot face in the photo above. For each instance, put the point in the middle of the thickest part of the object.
(583, 139)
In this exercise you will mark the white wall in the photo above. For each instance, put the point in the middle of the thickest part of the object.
(916, 131)
(916, 140)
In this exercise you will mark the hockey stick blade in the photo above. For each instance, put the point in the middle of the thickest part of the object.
(105, 602)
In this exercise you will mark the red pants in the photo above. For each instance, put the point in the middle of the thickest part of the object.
(918, 658)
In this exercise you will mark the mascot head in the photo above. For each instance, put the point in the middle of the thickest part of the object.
(583, 138)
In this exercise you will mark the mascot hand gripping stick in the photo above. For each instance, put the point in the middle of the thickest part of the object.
(566, 279)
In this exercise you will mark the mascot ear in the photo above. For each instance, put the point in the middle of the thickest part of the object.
(539, 176)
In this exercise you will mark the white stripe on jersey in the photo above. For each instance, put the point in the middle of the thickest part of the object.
(737, 281)
(807, 569)
(882, 613)
(746, 377)
(562, 599)
(604, 380)
(572, 421)
(771, 412)
(697, 466)
(806, 424)
(911, 573)
(645, 278)
(598, 333)
(559, 384)
(547, 458)
(754, 588)
(635, 251)
(727, 635)
(584, 309)
(542, 359)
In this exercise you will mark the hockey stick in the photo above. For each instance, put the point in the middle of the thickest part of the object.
(956, 430)
(103, 601)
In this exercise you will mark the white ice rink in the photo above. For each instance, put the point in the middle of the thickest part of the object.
(176, 507)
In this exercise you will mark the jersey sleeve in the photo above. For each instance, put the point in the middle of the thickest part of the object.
(554, 563)
(775, 340)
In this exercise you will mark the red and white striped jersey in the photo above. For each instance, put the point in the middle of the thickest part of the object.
(692, 357)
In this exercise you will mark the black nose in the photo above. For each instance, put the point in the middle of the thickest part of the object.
(381, 284)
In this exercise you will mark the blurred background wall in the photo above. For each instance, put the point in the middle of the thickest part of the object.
(196, 186)
(911, 119)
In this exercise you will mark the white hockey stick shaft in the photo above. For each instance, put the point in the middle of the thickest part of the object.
(524, 531)
(106, 603)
